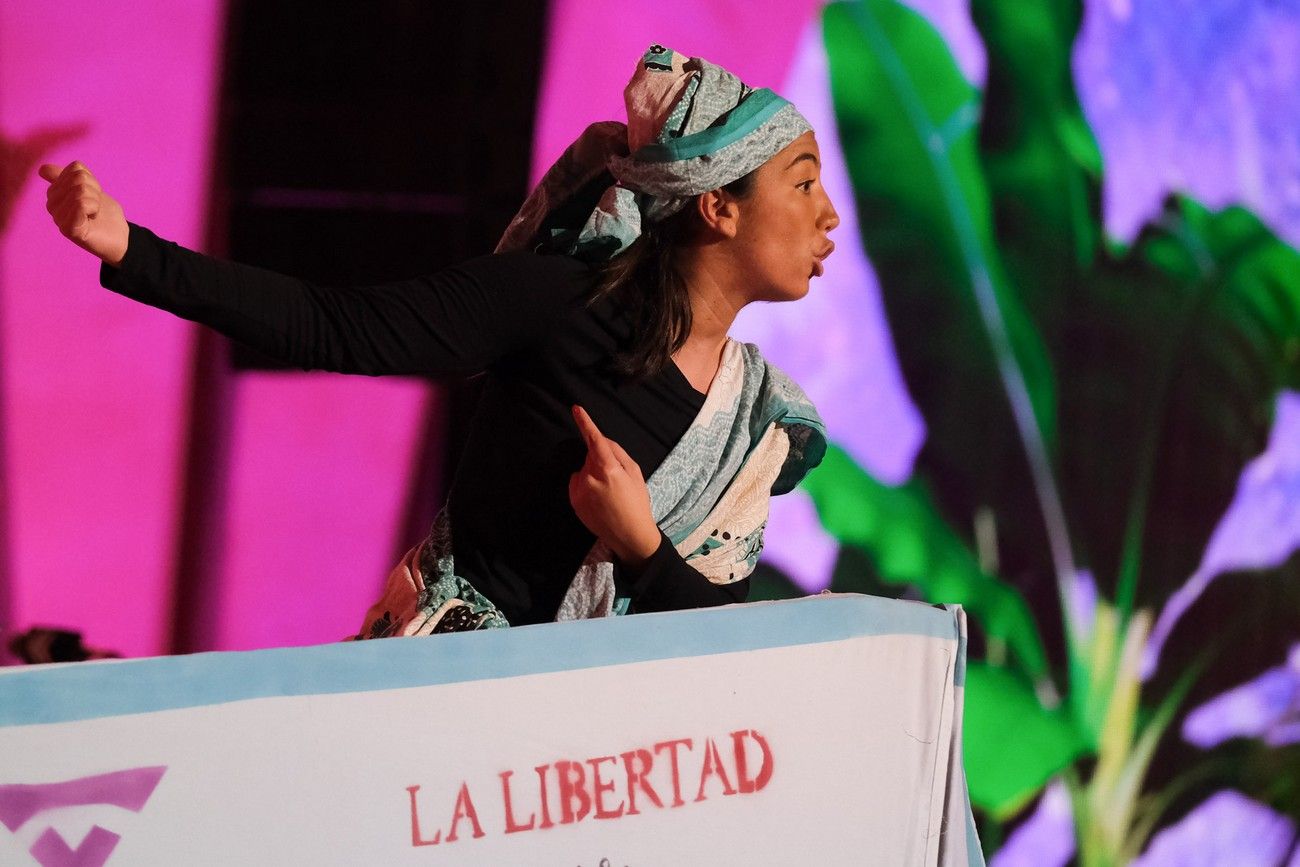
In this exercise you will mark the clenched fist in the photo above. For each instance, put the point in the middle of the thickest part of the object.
(84, 213)
(609, 496)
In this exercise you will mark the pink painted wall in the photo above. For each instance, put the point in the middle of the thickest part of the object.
(95, 386)
(318, 476)
(95, 390)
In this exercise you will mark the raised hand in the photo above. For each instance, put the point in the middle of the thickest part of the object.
(84, 213)
(610, 497)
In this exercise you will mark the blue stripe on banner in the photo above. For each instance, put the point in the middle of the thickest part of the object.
(974, 852)
(78, 691)
(959, 670)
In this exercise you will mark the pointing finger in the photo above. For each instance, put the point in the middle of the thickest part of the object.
(598, 450)
(586, 426)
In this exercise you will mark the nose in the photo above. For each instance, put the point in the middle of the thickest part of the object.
(830, 217)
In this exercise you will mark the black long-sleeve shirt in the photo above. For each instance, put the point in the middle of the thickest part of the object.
(522, 318)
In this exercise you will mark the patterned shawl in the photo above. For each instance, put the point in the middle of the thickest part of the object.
(756, 435)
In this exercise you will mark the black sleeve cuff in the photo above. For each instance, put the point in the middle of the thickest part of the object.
(142, 255)
(666, 582)
(659, 564)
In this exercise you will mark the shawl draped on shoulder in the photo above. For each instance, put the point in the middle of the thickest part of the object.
(756, 435)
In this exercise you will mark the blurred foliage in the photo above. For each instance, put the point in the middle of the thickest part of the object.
(1097, 401)
(912, 545)
(1003, 718)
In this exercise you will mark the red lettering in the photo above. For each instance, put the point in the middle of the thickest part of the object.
(572, 786)
(713, 767)
(743, 780)
(599, 788)
(464, 810)
(511, 825)
(416, 839)
(677, 783)
(541, 789)
(578, 800)
(635, 778)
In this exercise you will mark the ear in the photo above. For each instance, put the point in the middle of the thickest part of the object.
(719, 211)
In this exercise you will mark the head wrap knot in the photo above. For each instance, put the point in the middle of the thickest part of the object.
(692, 127)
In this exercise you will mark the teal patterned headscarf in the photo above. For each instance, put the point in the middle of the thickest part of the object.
(692, 127)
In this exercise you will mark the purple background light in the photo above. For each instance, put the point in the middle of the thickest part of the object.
(1195, 96)
(1260, 529)
(1227, 830)
(835, 343)
(1266, 707)
(1046, 838)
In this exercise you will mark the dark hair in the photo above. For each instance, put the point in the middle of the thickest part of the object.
(646, 281)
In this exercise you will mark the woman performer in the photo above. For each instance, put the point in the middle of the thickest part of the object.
(606, 305)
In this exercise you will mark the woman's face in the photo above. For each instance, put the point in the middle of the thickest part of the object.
(784, 222)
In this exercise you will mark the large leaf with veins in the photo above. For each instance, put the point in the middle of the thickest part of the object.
(972, 358)
(1179, 350)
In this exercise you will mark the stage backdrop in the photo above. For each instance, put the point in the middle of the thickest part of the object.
(97, 392)
(1058, 349)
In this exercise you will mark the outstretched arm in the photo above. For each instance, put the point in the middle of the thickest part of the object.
(457, 321)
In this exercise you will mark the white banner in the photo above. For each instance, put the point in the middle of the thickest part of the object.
(824, 730)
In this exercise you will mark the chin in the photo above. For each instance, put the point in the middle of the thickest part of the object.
(789, 291)
(793, 292)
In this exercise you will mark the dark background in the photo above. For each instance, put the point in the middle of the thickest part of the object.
(358, 144)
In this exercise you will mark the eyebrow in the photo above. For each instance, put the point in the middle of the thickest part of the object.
(806, 155)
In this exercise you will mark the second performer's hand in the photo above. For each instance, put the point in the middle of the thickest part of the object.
(84, 213)
(610, 497)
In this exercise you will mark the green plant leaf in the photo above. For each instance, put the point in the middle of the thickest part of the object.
(972, 358)
(1011, 743)
(899, 529)
(1041, 161)
(1142, 817)
(1179, 351)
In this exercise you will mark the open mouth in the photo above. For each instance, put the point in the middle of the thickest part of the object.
(819, 259)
